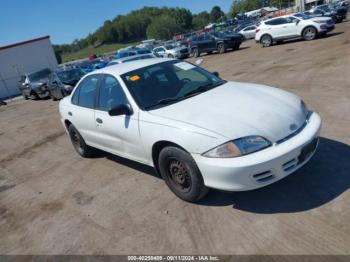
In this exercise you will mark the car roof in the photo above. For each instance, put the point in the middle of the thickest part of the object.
(123, 68)
(129, 57)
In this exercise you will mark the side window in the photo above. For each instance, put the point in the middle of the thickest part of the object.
(200, 38)
(85, 93)
(75, 98)
(289, 20)
(111, 94)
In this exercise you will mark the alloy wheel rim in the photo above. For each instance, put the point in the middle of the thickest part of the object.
(310, 33)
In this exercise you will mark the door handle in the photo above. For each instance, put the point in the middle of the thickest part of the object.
(70, 113)
(99, 120)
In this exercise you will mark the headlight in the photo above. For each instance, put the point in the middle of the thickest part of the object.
(320, 22)
(238, 147)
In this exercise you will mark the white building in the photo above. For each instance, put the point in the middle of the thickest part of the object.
(23, 57)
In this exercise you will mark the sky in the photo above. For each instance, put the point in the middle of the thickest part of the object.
(66, 20)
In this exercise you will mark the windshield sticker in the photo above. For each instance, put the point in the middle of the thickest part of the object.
(134, 78)
(184, 65)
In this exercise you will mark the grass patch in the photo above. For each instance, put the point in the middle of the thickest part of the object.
(85, 52)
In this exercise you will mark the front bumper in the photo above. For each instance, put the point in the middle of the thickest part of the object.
(264, 167)
(327, 27)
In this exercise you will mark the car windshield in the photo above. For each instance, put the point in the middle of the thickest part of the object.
(168, 82)
(39, 75)
(72, 74)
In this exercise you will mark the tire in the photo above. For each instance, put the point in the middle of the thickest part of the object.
(78, 143)
(309, 33)
(25, 97)
(221, 48)
(181, 174)
(195, 52)
(34, 96)
(209, 52)
(53, 97)
(266, 41)
(170, 56)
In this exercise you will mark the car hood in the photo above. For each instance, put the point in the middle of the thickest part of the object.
(235, 110)
(321, 18)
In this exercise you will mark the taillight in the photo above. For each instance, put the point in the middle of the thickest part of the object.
(257, 30)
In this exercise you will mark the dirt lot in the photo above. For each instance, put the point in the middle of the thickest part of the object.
(54, 202)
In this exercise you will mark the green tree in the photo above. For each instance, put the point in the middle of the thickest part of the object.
(183, 17)
(216, 13)
(200, 20)
(163, 27)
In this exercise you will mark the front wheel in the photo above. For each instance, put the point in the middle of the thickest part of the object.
(181, 174)
(34, 96)
(195, 52)
(309, 33)
(266, 41)
(78, 142)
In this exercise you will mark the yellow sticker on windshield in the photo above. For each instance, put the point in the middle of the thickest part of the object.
(134, 78)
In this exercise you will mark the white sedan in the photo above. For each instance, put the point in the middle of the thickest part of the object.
(197, 130)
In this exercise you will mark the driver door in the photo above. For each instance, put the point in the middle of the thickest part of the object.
(118, 134)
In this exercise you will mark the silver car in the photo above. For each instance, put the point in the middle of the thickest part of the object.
(171, 51)
(248, 32)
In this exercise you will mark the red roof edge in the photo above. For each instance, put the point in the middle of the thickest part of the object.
(25, 42)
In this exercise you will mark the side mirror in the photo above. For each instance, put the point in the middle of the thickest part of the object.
(119, 110)
(216, 74)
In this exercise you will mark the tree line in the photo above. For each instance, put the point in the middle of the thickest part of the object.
(148, 22)
(160, 23)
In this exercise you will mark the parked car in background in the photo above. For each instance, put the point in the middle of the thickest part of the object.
(292, 26)
(197, 130)
(208, 43)
(61, 83)
(171, 51)
(249, 31)
(131, 52)
(90, 65)
(232, 40)
(34, 85)
(130, 58)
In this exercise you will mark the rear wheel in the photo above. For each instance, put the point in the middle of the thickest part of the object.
(309, 33)
(78, 142)
(266, 41)
(181, 174)
(221, 48)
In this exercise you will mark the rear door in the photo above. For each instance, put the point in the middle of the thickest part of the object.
(117, 134)
(82, 111)
(289, 27)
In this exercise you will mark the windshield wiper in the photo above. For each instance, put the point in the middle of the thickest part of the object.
(203, 88)
(164, 101)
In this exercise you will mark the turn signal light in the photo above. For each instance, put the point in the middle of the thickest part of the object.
(257, 30)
